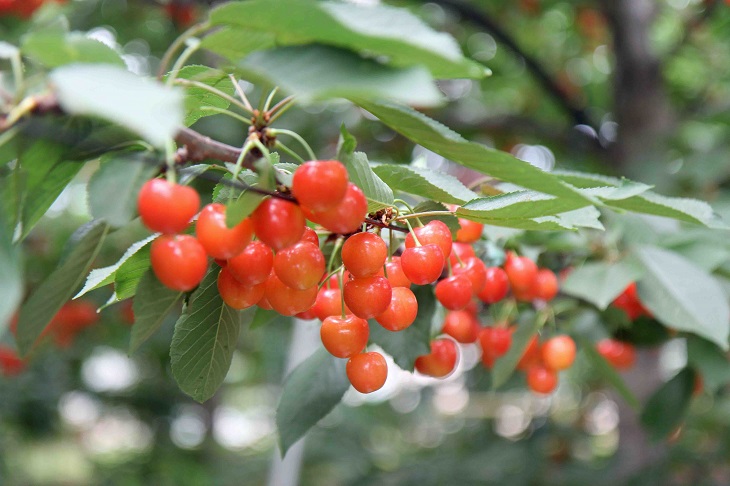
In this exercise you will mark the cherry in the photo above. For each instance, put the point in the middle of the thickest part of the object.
(495, 342)
(10, 363)
(394, 271)
(469, 232)
(629, 302)
(440, 362)
(344, 337)
(218, 240)
(368, 297)
(364, 254)
(558, 353)
(435, 232)
(423, 264)
(525, 295)
(496, 287)
(278, 223)
(320, 185)
(475, 270)
(264, 302)
(300, 266)
(310, 236)
(619, 354)
(347, 216)
(167, 207)
(178, 261)
(461, 325)
(541, 379)
(401, 311)
(253, 265)
(545, 286)
(307, 315)
(521, 272)
(454, 292)
(367, 372)
(286, 300)
(237, 295)
(329, 303)
(531, 356)
(461, 251)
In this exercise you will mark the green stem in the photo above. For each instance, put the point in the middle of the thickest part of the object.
(326, 280)
(335, 249)
(422, 215)
(240, 92)
(170, 159)
(340, 278)
(210, 89)
(222, 111)
(177, 43)
(298, 138)
(193, 46)
(280, 108)
(239, 163)
(289, 151)
(16, 64)
(270, 98)
(413, 233)
(8, 135)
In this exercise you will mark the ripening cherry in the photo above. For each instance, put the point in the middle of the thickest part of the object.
(395, 274)
(309, 236)
(401, 311)
(367, 372)
(364, 254)
(217, 238)
(475, 270)
(423, 264)
(178, 261)
(286, 300)
(235, 294)
(541, 379)
(495, 342)
(461, 325)
(300, 266)
(531, 356)
(629, 302)
(10, 363)
(454, 292)
(368, 297)
(558, 353)
(521, 272)
(264, 303)
(435, 232)
(461, 251)
(545, 286)
(320, 185)
(253, 265)
(469, 232)
(347, 216)
(441, 361)
(329, 303)
(619, 354)
(344, 337)
(167, 207)
(278, 223)
(496, 287)
(308, 315)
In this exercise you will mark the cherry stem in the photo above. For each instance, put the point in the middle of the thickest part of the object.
(297, 137)
(289, 151)
(270, 98)
(280, 108)
(193, 45)
(170, 161)
(326, 280)
(177, 43)
(335, 248)
(221, 111)
(423, 215)
(413, 233)
(380, 224)
(341, 278)
(217, 92)
(241, 93)
(237, 170)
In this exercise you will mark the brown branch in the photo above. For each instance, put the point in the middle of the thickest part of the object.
(195, 147)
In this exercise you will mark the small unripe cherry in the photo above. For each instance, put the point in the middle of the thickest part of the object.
(320, 185)
(278, 223)
(178, 261)
(217, 238)
(368, 297)
(253, 265)
(235, 294)
(440, 362)
(167, 207)
(344, 337)
(367, 372)
(401, 311)
(364, 254)
(558, 353)
(541, 379)
(423, 264)
(300, 266)
(454, 292)
(435, 232)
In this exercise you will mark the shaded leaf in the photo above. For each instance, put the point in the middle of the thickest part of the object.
(606, 371)
(424, 182)
(505, 366)
(377, 192)
(152, 304)
(11, 282)
(709, 361)
(666, 408)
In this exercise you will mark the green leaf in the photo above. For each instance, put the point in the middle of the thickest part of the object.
(152, 304)
(601, 282)
(54, 49)
(373, 30)
(518, 205)
(54, 291)
(114, 94)
(425, 183)
(505, 366)
(39, 198)
(262, 317)
(298, 71)
(683, 296)
(606, 371)
(242, 207)
(666, 408)
(129, 274)
(415, 340)
(197, 99)
(11, 282)
(447, 143)
(236, 43)
(447, 218)
(100, 277)
(310, 392)
(204, 340)
(709, 361)
(123, 175)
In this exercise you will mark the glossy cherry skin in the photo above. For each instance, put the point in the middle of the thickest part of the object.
(235, 294)
(395, 274)
(496, 287)
(541, 379)
(629, 302)
(286, 300)
(454, 292)
(253, 265)
(278, 223)
(441, 361)
(531, 356)
(364, 254)
(178, 261)
(461, 250)
(310, 236)
(344, 337)
(347, 216)
(401, 311)
(167, 207)
(461, 325)
(558, 353)
(320, 185)
(475, 270)
(619, 354)
(423, 264)
(300, 266)
(435, 232)
(368, 297)
(469, 232)
(218, 240)
(495, 342)
(329, 303)
(367, 372)
(521, 272)
(545, 286)
(10, 363)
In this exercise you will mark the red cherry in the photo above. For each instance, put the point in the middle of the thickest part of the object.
(264, 302)
(396, 276)
(286, 300)
(344, 337)
(253, 265)
(307, 315)
(10, 363)
(300, 266)
(495, 342)
(364, 254)
(367, 372)
(401, 311)
(531, 356)
(454, 292)
(167, 207)
(320, 185)
(521, 272)
(461, 251)
(435, 232)
(475, 270)
(629, 302)
(278, 223)
(545, 286)
(347, 216)
(218, 240)
(619, 354)
(178, 261)
(558, 353)
(368, 297)
(423, 264)
(235, 294)
(310, 236)
(440, 362)
(496, 287)
(461, 325)
(329, 303)
(469, 232)
(541, 380)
